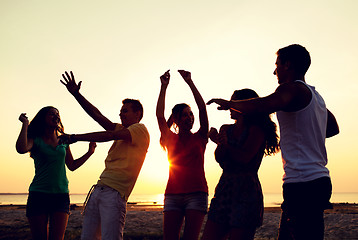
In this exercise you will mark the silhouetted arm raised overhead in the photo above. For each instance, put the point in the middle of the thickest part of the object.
(203, 116)
(162, 122)
(91, 110)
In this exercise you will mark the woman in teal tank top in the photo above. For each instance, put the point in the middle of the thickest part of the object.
(48, 202)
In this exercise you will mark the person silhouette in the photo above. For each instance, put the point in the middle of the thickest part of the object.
(105, 211)
(305, 123)
(186, 194)
(48, 203)
(236, 209)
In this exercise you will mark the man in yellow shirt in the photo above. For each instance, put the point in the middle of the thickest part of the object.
(106, 208)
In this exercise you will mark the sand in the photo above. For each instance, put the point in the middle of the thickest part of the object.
(145, 222)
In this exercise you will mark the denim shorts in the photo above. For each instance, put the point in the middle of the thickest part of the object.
(185, 201)
(39, 203)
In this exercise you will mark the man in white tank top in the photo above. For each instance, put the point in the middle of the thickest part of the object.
(305, 123)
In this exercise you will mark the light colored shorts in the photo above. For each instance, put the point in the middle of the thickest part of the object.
(185, 201)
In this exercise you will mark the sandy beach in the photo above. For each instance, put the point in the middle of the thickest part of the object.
(145, 222)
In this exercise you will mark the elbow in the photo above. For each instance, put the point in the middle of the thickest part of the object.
(332, 130)
(71, 167)
(114, 135)
(21, 150)
(332, 133)
(336, 131)
(119, 135)
(332, 125)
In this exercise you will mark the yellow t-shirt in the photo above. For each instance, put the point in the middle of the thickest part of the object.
(125, 159)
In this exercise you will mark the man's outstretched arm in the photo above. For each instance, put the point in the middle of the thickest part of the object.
(284, 96)
(104, 136)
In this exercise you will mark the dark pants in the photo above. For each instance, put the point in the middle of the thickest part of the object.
(302, 209)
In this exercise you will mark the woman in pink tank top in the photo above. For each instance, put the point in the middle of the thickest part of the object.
(186, 194)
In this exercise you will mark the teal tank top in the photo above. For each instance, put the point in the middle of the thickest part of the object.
(50, 170)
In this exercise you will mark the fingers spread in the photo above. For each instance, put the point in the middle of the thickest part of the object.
(68, 76)
(64, 77)
(72, 76)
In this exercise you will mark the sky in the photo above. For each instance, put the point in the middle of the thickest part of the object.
(119, 49)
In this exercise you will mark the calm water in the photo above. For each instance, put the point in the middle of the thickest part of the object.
(270, 199)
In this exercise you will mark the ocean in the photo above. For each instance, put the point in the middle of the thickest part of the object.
(270, 199)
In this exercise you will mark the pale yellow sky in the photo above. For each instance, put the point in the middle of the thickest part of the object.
(120, 48)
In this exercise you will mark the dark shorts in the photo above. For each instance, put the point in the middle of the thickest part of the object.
(302, 209)
(307, 196)
(39, 203)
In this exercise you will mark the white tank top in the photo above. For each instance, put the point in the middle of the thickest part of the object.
(302, 140)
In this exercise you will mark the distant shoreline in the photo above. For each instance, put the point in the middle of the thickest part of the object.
(155, 200)
(154, 207)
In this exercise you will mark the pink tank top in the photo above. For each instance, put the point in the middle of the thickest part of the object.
(186, 159)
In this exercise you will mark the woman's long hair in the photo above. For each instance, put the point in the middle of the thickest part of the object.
(177, 112)
(262, 120)
(38, 124)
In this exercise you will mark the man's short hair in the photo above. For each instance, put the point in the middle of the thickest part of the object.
(297, 55)
(136, 106)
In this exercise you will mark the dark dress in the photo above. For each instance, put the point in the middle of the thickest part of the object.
(238, 199)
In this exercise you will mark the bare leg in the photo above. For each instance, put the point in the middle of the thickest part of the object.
(58, 223)
(173, 221)
(215, 231)
(193, 221)
(38, 226)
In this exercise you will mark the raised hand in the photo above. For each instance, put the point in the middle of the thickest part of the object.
(165, 78)
(185, 75)
(23, 118)
(223, 104)
(70, 83)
